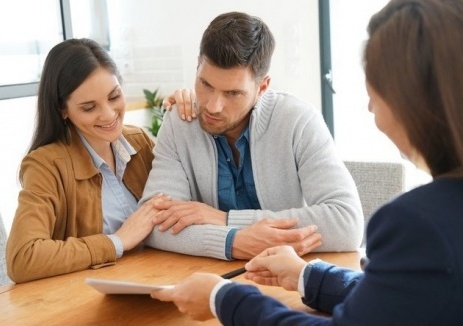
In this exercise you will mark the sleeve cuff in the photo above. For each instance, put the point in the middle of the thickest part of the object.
(118, 244)
(229, 243)
(304, 276)
(212, 297)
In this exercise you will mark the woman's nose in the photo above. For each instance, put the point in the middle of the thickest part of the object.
(107, 112)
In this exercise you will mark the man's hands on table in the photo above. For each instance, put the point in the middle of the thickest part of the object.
(266, 233)
(249, 241)
(177, 215)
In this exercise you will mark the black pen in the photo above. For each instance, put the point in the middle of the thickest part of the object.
(234, 273)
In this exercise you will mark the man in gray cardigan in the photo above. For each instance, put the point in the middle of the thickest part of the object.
(258, 168)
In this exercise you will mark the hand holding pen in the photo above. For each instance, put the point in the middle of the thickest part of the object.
(234, 273)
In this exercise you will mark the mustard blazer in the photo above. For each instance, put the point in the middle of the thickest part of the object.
(58, 224)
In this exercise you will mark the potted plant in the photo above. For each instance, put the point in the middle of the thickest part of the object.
(154, 102)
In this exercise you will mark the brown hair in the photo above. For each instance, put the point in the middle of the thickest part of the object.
(236, 39)
(413, 60)
(66, 67)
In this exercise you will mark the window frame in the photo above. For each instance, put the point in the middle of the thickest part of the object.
(31, 89)
(326, 85)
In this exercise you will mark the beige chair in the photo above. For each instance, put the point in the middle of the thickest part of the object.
(4, 279)
(377, 183)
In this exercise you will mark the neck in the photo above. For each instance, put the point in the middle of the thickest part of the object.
(108, 156)
(233, 134)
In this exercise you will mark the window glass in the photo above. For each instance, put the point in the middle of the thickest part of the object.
(357, 137)
(356, 134)
(28, 29)
(90, 20)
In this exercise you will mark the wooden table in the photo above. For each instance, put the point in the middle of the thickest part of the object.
(68, 300)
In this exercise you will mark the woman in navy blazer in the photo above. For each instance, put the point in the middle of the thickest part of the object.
(413, 64)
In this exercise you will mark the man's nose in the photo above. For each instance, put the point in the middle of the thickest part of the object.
(215, 104)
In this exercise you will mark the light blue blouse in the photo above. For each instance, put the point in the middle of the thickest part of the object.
(118, 203)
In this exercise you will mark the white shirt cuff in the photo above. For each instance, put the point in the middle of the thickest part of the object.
(214, 291)
(118, 244)
(300, 282)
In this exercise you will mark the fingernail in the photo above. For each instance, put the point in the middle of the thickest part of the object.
(183, 117)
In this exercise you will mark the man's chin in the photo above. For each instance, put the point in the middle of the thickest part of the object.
(209, 128)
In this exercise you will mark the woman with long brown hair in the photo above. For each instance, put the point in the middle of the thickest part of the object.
(84, 172)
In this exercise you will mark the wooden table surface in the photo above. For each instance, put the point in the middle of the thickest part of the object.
(68, 300)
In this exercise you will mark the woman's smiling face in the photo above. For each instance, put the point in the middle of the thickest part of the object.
(97, 107)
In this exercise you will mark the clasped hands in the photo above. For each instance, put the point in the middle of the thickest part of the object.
(249, 241)
(173, 215)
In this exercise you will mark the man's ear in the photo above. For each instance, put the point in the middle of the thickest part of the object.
(264, 84)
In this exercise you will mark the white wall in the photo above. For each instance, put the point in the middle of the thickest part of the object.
(172, 31)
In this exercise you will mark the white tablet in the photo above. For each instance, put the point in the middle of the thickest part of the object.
(121, 287)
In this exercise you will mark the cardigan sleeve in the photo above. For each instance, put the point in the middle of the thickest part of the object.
(316, 186)
(179, 179)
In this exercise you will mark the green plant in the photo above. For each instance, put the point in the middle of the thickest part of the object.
(154, 102)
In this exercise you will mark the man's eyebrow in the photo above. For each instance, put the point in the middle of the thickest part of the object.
(241, 91)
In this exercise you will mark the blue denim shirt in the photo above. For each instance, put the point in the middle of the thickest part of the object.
(236, 188)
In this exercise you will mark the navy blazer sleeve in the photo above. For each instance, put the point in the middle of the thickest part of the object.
(327, 285)
(410, 280)
(246, 305)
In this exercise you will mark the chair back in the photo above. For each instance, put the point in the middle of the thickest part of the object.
(377, 183)
(4, 279)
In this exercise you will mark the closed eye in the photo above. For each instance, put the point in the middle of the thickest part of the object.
(89, 108)
(115, 97)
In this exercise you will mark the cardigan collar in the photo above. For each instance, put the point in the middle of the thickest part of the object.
(262, 113)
